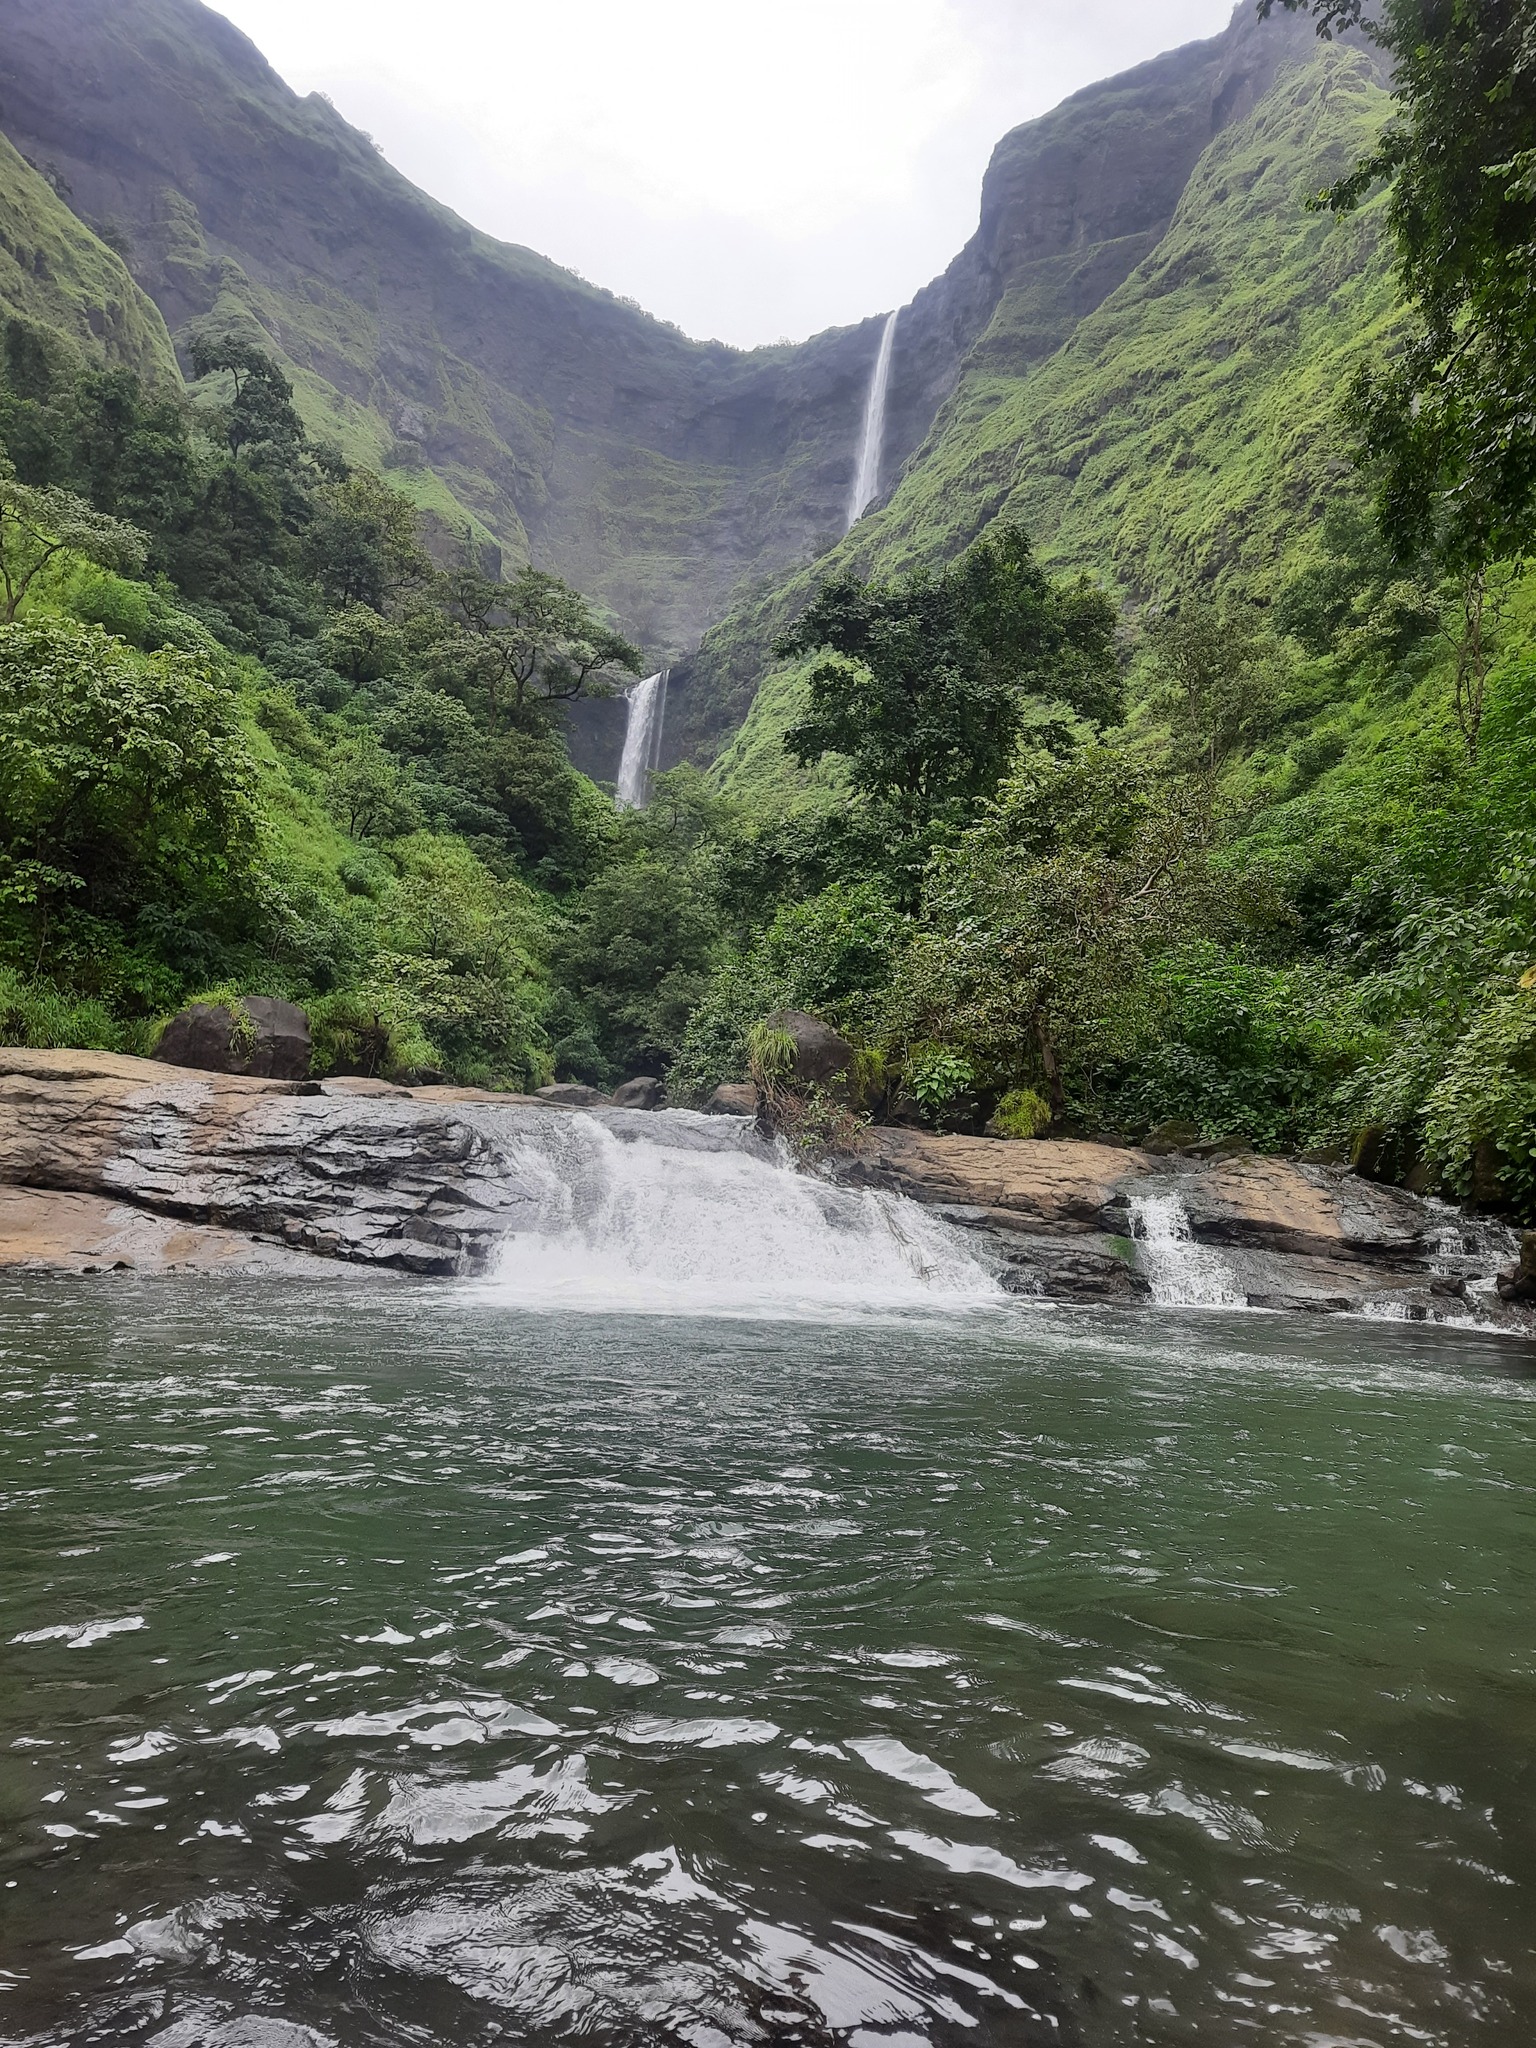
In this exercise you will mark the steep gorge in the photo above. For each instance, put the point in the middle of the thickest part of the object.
(675, 480)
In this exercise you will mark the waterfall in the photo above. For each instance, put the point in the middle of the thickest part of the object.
(1181, 1273)
(866, 482)
(670, 1212)
(642, 741)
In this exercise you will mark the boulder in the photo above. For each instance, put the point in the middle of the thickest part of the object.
(732, 1098)
(1176, 1135)
(574, 1095)
(643, 1092)
(1519, 1283)
(822, 1056)
(271, 1040)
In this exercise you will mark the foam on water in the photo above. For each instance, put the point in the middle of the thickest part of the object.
(1181, 1273)
(628, 1222)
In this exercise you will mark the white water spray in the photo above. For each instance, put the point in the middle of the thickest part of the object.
(697, 1220)
(866, 483)
(642, 742)
(1181, 1273)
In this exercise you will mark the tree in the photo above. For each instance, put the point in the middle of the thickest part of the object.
(529, 641)
(1449, 427)
(125, 778)
(1030, 965)
(1216, 672)
(924, 685)
(38, 526)
(261, 409)
(361, 545)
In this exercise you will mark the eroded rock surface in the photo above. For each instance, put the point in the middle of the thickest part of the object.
(108, 1162)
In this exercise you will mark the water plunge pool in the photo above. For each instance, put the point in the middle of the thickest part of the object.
(395, 1665)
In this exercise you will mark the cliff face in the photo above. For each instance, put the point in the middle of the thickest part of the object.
(661, 474)
(1182, 428)
(55, 273)
(650, 469)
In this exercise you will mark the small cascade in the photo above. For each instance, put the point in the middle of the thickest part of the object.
(647, 703)
(866, 482)
(1180, 1272)
(684, 1217)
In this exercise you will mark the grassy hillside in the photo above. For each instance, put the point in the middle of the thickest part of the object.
(55, 273)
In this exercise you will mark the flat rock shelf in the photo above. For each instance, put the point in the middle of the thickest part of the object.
(112, 1163)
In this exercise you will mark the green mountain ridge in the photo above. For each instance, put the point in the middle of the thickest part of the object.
(57, 274)
(665, 476)
(1185, 432)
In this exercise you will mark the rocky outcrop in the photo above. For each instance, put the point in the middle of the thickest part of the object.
(108, 1162)
(1061, 1219)
(821, 1057)
(268, 1038)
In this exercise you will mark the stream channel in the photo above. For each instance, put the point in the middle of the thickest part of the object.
(407, 1663)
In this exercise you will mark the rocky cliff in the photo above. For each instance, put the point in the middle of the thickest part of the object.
(661, 474)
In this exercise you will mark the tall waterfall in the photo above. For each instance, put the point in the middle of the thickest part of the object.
(866, 483)
(642, 742)
(674, 1213)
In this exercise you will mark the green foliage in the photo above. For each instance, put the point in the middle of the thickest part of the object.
(38, 526)
(924, 685)
(1448, 425)
(1033, 955)
(831, 954)
(37, 1012)
(935, 1077)
(123, 778)
(1022, 1113)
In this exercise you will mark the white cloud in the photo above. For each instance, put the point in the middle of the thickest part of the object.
(744, 169)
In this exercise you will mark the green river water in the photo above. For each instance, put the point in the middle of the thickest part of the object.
(388, 1666)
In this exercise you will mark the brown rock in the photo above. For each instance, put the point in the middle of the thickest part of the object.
(732, 1098)
(1173, 1136)
(573, 1095)
(822, 1056)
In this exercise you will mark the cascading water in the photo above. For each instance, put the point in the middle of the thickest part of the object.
(866, 482)
(1180, 1272)
(669, 1212)
(642, 741)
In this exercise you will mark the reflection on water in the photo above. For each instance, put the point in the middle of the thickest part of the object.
(395, 1667)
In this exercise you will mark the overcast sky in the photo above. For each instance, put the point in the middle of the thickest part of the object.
(749, 170)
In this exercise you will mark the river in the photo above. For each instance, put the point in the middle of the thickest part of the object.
(393, 1665)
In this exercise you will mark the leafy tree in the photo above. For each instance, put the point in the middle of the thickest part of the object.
(636, 955)
(1449, 425)
(361, 545)
(1031, 962)
(529, 641)
(261, 409)
(1216, 669)
(924, 685)
(39, 526)
(367, 791)
(124, 779)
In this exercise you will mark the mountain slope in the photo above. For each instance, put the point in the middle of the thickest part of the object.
(1186, 430)
(658, 473)
(648, 468)
(55, 273)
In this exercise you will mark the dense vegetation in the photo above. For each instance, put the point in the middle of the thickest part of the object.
(1246, 838)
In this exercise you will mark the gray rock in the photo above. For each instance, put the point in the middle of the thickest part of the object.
(574, 1095)
(271, 1040)
(822, 1056)
(732, 1098)
(1176, 1135)
(644, 1092)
